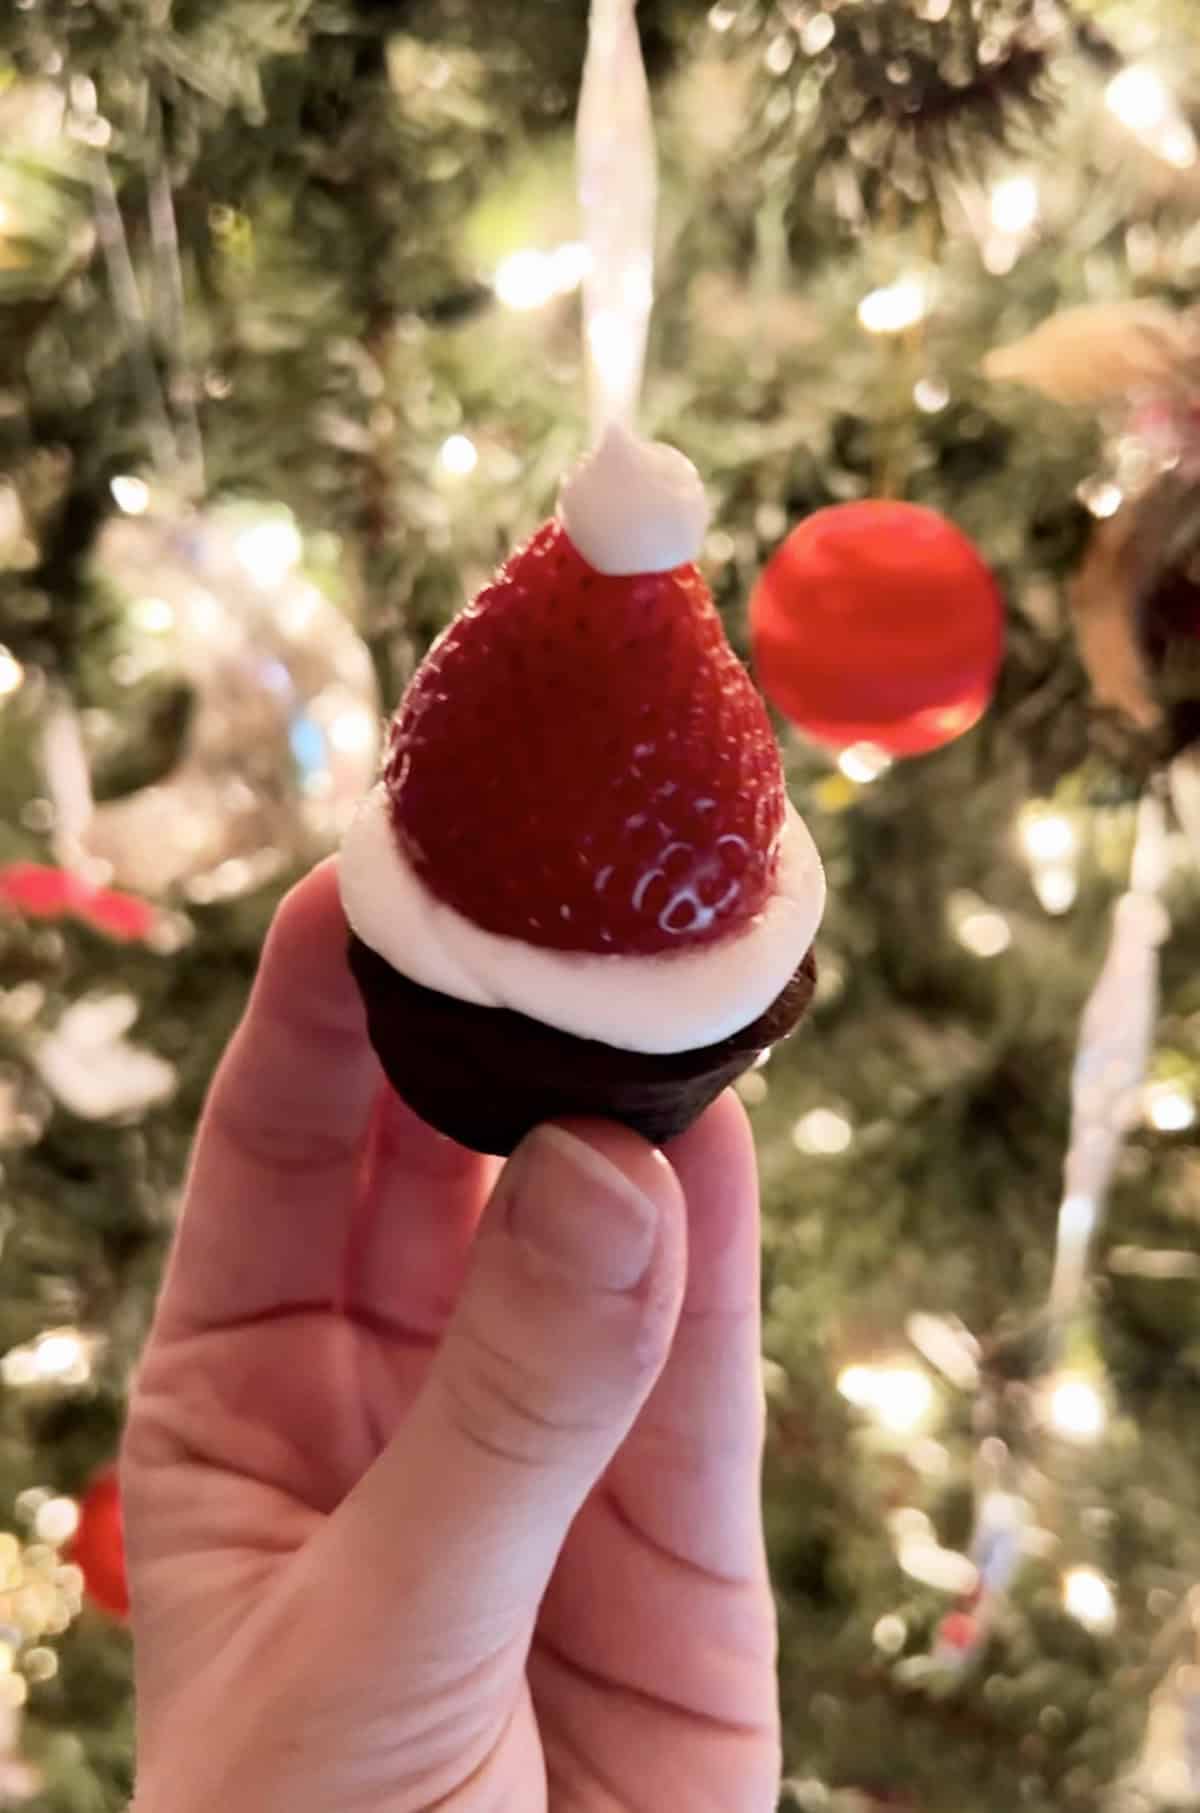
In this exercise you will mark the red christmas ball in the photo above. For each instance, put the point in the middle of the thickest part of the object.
(878, 622)
(98, 1546)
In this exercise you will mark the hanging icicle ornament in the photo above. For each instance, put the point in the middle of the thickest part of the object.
(1115, 1038)
(1110, 1065)
(618, 193)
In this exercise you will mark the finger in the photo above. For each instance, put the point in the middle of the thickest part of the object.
(689, 1474)
(417, 1208)
(279, 1155)
(563, 1326)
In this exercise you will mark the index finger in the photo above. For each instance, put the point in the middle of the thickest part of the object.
(276, 1158)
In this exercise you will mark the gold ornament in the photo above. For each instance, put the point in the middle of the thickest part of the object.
(1101, 351)
(1103, 604)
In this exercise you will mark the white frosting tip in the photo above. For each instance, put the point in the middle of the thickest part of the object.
(633, 506)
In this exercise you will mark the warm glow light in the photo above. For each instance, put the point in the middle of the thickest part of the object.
(903, 1398)
(864, 762)
(890, 1634)
(984, 934)
(1139, 99)
(130, 494)
(1014, 204)
(529, 279)
(11, 672)
(1169, 1107)
(269, 550)
(352, 731)
(857, 1385)
(817, 35)
(1048, 836)
(1077, 1410)
(945, 1570)
(153, 614)
(1088, 1597)
(930, 395)
(1056, 887)
(56, 1521)
(899, 1397)
(822, 1131)
(893, 309)
(1100, 496)
(459, 455)
(59, 1355)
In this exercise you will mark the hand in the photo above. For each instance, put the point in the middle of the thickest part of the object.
(432, 1505)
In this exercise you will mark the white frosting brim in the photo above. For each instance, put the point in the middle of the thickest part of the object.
(674, 1002)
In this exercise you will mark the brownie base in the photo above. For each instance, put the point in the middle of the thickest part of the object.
(485, 1076)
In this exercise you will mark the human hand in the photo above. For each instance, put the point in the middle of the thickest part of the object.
(432, 1506)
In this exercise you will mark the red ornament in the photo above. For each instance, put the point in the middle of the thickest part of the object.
(582, 762)
(98, 1545)
(878, 622)
(39, 891)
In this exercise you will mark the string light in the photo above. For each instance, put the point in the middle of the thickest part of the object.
(459, 455)
(353, 730)
(1047, 836)
(529, 279)
(899, 1397)
(864, 763)
(984, 933)
(1169, 1107)
(56, 1520)
(890, 1634)
(1014, 204)
(269, 550)
(1102, 497)
(822, 1131)
(1075, 1409)
(923, 1558)
(930, 395)
(1140, 99)
(132, 495)
(1056, 887)
(60, 1356)
(896, 307)
(1051, 844)
(153, 614)
(1088, 1597)
(817, 34)
(11, 672)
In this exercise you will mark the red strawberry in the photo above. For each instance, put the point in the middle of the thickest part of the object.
(583, 763)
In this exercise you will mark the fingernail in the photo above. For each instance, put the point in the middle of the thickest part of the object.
(573, 1206)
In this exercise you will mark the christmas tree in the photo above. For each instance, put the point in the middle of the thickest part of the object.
(289, 358)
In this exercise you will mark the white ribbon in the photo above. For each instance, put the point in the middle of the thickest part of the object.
(618, 183)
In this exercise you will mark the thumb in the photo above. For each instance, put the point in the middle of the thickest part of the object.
(564, 1325)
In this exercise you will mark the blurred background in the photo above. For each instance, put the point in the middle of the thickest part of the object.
(289, 358)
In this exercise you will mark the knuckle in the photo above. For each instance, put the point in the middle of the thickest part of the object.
(510, 1408)
(282, 1144)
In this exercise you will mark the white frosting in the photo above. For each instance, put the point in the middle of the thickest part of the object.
(673, 1002)
(634, 506)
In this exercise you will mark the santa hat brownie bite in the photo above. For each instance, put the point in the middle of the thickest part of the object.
(578, 887)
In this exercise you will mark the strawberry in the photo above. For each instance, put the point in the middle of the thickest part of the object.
(581, 761)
